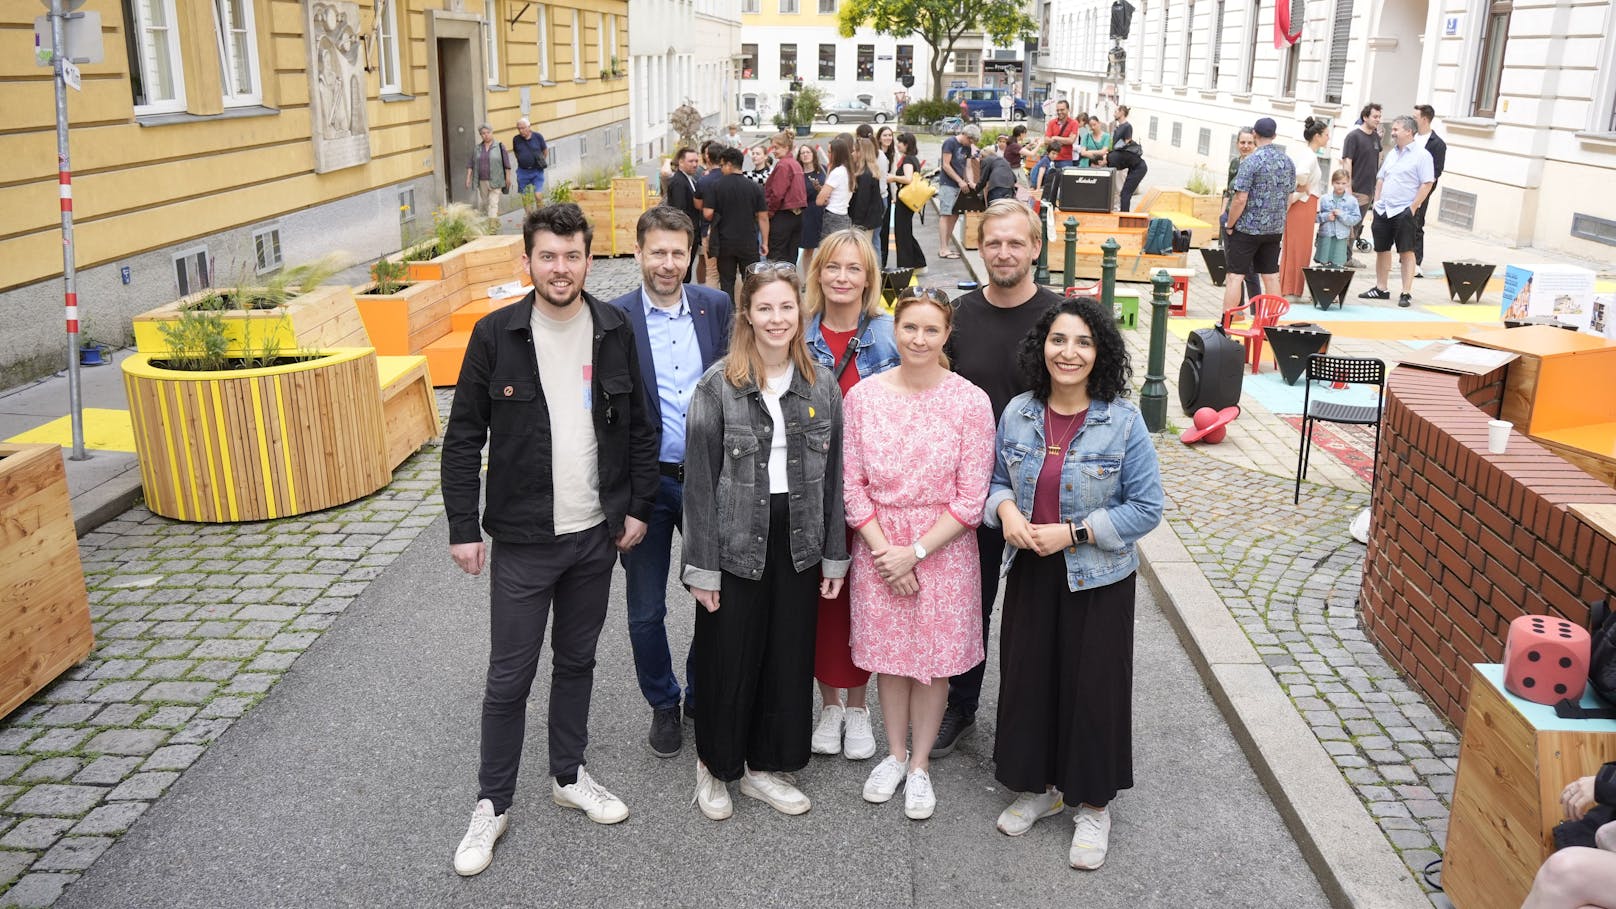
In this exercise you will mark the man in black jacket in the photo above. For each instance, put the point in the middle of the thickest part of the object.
(1426, 138)
(683, 196)
(552, 384)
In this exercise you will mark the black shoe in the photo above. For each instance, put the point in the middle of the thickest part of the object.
(666, 736)
(955, 724)
(1374, 293)
(1363, 245)
(1405, 300)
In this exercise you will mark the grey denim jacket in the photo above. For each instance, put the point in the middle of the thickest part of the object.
(728, 434)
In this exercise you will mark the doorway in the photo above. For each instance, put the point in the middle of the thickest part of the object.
(1397, 50)
(455, 67)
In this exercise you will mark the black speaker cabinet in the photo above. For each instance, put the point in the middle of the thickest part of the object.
(1212, 372)
(1084, 188)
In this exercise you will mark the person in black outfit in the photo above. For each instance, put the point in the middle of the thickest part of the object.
(1126, 154)
(682, 194)
(1424, 114)
(740, 220)
(988, 327)
(905, 170)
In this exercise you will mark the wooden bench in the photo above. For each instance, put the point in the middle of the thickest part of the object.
(409, 406)
(1515, 758)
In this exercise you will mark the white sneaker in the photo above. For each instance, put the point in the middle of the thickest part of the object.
(776, 789)
(712, 796)
(1090, 838)
(476, 848)
(859, 742)
(884, 779)
(828, 734)
(590, 797)
(1029, 808)
(919, 801)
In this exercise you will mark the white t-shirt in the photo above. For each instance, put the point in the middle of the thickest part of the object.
(566, 371)
(841, 191)
(1308, 167)
(772, 390)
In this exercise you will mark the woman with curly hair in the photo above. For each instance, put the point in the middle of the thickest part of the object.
(1075, 485)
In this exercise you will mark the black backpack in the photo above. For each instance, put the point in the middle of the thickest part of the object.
(1602, 656)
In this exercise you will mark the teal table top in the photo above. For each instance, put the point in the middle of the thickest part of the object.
(1542, 717)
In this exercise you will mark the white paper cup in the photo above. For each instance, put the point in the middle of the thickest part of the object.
(1498, 435)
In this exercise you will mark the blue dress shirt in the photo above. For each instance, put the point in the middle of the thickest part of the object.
(677, 358)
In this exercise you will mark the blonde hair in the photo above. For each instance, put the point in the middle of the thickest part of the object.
(1010, 208)
(832, 245)
(868, 157)
(744, 364)
(916, 296)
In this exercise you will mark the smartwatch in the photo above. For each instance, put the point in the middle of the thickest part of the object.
(920, 552)
(1080, 533)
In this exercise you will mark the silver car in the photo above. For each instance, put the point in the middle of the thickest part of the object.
(857, 112)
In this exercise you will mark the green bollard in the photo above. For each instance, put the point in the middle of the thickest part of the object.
(1153, 397)
(1108, 275)
(1069, 277)
(1040, 274)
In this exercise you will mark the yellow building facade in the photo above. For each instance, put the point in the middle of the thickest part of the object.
(196, 156)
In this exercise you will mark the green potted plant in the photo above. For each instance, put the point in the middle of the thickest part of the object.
(294, 306)
(807, 108)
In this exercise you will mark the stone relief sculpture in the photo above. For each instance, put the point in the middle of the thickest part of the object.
(340, 133)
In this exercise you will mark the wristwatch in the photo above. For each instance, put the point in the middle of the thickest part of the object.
(920, 552)
(1080, 533)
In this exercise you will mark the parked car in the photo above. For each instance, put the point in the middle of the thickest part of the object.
(857, 112)
(984, 103)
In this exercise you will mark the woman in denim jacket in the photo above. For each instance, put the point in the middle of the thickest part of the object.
(844, 300)
(764, 538)
(1075, 484)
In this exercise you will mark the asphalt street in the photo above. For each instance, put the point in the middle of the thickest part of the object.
(352, 782)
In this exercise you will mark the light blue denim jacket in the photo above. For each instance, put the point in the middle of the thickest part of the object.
(877, 351)
(1110, 479)
(1346, 211)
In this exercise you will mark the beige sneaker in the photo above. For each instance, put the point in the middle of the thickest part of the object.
(776, 789)
(1090, 838)
(858, 741)
(476, 848)
(590, 797)
(1029, 808)
(712, 795)
(828, 734)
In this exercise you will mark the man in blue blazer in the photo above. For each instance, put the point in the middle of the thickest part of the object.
(680, 330)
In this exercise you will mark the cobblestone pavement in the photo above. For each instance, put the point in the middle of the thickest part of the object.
(1289, 574)
(194, 624)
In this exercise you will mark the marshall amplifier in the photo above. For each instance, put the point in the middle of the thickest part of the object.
(1084, 189)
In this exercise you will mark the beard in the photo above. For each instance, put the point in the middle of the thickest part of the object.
(544, 292)
(1000, 278)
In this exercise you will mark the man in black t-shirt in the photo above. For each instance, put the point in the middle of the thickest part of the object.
(707, 268)
(740, 220)
(1360, 156)
(989, 325)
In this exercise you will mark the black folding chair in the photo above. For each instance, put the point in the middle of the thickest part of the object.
(1352, 371)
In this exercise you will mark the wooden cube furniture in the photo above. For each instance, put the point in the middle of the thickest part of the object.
(409, 406)
(1515, 758)
(44, 608)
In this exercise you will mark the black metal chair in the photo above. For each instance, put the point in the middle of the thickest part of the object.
(1352, 371)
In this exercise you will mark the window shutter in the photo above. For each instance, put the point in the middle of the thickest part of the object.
(1340, 34)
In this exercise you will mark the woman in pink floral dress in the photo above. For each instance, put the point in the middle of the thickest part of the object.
(917, 457)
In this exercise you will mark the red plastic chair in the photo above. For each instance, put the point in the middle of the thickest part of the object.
(1084, 290)
(1266, 310)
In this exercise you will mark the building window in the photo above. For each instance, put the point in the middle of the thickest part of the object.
(611, 36)
(1217, 45)
(788, 6)
(542, 21)
(491, 40)
(158, 82)
(788, 61)
(905, 60)
(1340, 34)
(749, 61)
(749, 6)
(238, 51)
(1189, 38)
(1253, 35)
(267, 250)
(827, 62)
(578, 46)
(827, 7)
(406, 205)
(1203, 145)
(191, 270)
(1178, 134)
(1490, 65)
(387, 57)
(866, 63)
(1292, 61)
(966, 62)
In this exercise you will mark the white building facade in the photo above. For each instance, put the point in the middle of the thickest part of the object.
(782, 40)
(680, 51)
(1524, 90)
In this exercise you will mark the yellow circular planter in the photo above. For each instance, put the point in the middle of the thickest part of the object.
(253, 444)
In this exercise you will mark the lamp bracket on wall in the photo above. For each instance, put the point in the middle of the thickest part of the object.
(518, 17)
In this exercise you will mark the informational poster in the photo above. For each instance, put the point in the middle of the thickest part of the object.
(1602, 319)
(1562, 292)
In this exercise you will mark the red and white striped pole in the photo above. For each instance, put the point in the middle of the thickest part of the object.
(59, 62)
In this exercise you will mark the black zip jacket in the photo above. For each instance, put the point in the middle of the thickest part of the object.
(499, 400)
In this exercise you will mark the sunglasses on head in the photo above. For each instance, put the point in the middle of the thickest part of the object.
(765, 266)
(934, 294)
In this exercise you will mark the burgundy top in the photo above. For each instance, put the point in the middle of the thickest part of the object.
(1057, 439)
(784, 189)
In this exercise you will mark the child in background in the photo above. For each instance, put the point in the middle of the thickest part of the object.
(1338, 212)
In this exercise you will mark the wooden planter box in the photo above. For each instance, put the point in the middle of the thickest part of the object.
(404, 322)
(323, 317)
(597, 207)
(253, 444)
(491, 260)
(45, 611)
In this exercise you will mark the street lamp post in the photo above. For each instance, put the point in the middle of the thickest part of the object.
(1153, 397)
(61, 66)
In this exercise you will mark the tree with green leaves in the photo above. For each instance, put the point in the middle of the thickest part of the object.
(939, 23)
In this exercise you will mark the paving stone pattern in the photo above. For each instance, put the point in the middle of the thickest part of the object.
(194, 624)
(1289, 574)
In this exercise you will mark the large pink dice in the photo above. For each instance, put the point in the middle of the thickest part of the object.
(1546, 659)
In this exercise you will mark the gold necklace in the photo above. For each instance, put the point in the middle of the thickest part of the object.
(1071, 430)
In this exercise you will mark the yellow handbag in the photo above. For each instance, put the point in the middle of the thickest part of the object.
(917, 194)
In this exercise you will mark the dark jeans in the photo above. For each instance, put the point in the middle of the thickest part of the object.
(575, 573)
(646, 568)
(1131, 184)
(1419, 232)
(965, 689)
(883, 233)
(753, 660)
(730, 264)
(785, 236)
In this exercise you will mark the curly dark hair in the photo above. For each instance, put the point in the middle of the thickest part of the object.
(1112, 376)
(563, 219)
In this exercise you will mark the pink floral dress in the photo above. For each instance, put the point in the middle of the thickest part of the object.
(906, 458)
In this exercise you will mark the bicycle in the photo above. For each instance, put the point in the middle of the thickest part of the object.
(947, 126)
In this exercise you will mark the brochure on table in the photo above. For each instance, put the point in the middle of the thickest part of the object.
(1563, 292)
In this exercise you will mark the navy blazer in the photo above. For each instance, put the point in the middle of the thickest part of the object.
(714, 315)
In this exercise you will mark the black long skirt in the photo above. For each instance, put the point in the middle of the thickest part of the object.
(1065, 684)
(910, 254)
